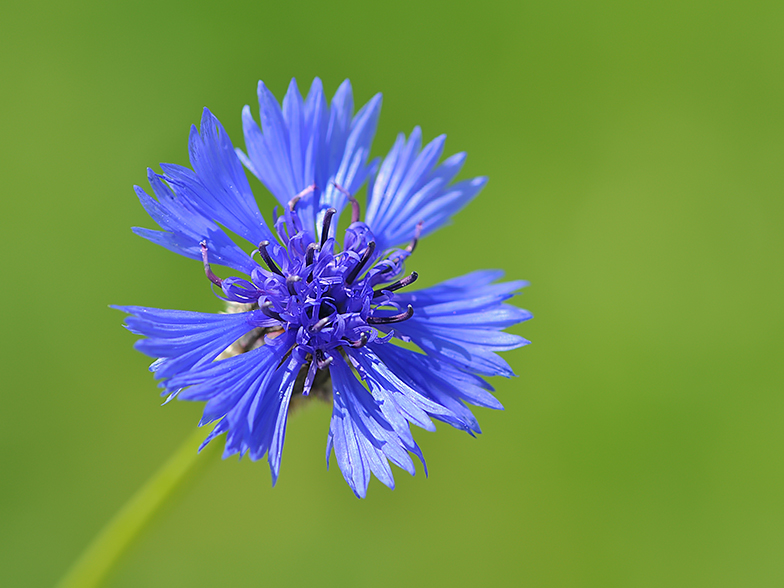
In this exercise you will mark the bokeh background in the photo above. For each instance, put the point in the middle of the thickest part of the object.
(635, 158)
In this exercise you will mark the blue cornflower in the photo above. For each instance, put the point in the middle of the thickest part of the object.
(316, 315)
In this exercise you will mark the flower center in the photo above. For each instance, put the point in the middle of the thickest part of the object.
(330, 298)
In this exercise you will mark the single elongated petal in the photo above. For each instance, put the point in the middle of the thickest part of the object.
(293, 116)
(341, 111)
(353, 171)
(276, 140)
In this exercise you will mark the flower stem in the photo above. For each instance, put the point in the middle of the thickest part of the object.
(114, 539)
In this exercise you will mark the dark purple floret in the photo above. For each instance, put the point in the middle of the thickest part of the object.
(328, 298)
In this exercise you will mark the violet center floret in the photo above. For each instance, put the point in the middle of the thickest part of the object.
(330, 298)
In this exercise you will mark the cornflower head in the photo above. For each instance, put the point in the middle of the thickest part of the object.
(319, 314)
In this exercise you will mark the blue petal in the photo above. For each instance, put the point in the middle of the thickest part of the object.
(342, 108)
(410, 189)
(460, 321)
(466, 291)
(249, 394)
(361, 436)
(353, 171)
(293, 117)
(442, 383)
(406, 404)
(278, 147)
(185, 227)
(218, 187)
(283, 393)
(316, 170)
(183, 340)
(307, 143)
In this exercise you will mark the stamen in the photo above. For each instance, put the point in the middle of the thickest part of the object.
(364, 259)
(355, 212)
(267, 259)
(290, 281)
(385, 320)
(207, 269)
(363, 339)
(418, 231)
(328, 214)
(310, 253)
(407, 281)
(305, 192)
(266, 308)
(320, 324)
(323, 361)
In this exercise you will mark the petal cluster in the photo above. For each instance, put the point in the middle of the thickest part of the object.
(311, 308)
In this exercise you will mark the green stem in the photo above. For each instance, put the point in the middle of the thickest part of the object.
(118, 534)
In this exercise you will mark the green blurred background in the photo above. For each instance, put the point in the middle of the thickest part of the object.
(635, 155)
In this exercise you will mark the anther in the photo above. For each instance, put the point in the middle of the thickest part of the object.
(328, 214)
(355, 212)
(363, 260)
(266, 308)
(418, 231)
(310, 253)
(305, 192)
(321, 360)
(320, 324)
(290, 281)
(407, 281)
(363, 339)
(207, 269)
(267, 259)
(385, 320)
